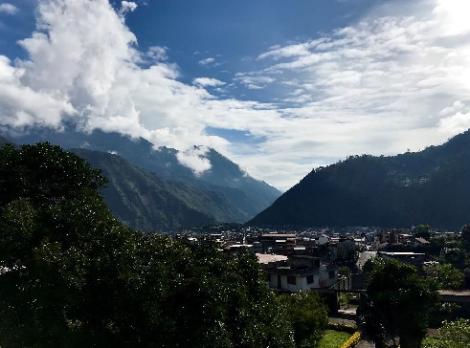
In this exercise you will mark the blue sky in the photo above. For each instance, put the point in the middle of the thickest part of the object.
(278, 86)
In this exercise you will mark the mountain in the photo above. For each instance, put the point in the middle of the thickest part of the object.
(141, 199)
(227, 193)
(4, 140)
(431, 186)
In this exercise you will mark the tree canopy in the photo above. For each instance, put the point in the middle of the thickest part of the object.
(397, 304)
(71, 275)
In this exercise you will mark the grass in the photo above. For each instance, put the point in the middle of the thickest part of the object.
(333, 339)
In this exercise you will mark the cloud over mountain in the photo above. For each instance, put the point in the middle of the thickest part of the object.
(397, 79)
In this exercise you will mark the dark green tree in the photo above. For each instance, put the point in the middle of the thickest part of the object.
(445, 276)
(397, 304)
(73, 276)
(454, 334)
(422, 231)
(308, 315)
(466, 237)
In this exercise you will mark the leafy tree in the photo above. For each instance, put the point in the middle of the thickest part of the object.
(397, 304)
(455, 334)
(73, 276)
(422, 231)
(308, 315)
(466, 237)
(446, 276)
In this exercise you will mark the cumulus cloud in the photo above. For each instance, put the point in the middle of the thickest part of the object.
(382, 85)
(207, 82)
(8, 8)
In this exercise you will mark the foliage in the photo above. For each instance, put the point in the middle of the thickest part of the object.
(344, 271)
(225, 192)
(308, 315)
(454, 334)
(333, 339)
(347, 252)
(397, 304)
(73, 276)
(430, 187)
(446, 276)
(422, 231)
(466, 237)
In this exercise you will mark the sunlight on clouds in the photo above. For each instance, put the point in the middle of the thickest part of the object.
(382, 85)
(454, 14)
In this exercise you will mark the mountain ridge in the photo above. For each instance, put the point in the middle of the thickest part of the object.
(224, 191)
(430, 186)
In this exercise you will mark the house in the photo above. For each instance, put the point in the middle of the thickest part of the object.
(300, 272)
(277, 242)
(410, 257)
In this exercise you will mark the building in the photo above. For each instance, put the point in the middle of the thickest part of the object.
(410, 257)
(300, 272)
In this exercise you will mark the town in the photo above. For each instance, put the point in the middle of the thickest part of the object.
(331, 261)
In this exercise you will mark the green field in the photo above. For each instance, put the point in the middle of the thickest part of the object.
(333, 339)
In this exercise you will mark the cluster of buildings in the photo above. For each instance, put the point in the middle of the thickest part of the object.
(297, 260)
(317, 259)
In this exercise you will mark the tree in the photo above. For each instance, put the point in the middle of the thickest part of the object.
(308, 315)
(455, 334)
(397, 304)
(446, 276)
(73, 276)
(422, 231)
(466, 237)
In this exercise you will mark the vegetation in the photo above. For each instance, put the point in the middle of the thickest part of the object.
(430, 186)
(422, 231)
(352, 341)
(454, 334)
(225, 192)
(308, 315)
(398, 303)
(146, 202)
(445, 276)
(74, 276)
(333, 339)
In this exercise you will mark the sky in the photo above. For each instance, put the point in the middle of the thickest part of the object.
(280, 87)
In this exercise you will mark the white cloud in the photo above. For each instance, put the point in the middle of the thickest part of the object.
(127, 6)
(195, 158)
(207, 61)
(254, 80)
(157, 53)
(382, 85)
(8, 8)
(207, 82)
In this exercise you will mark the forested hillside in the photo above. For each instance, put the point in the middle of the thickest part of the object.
(431, 186)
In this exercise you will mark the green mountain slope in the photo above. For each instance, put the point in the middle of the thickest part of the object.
(431, 186)
(230, 194)
(141, 199)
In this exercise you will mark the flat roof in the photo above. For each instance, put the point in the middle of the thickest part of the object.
(278, 235)
(268, 258)
(400, 253)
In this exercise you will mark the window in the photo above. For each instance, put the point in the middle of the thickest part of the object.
(292, 280)
(310, 279)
